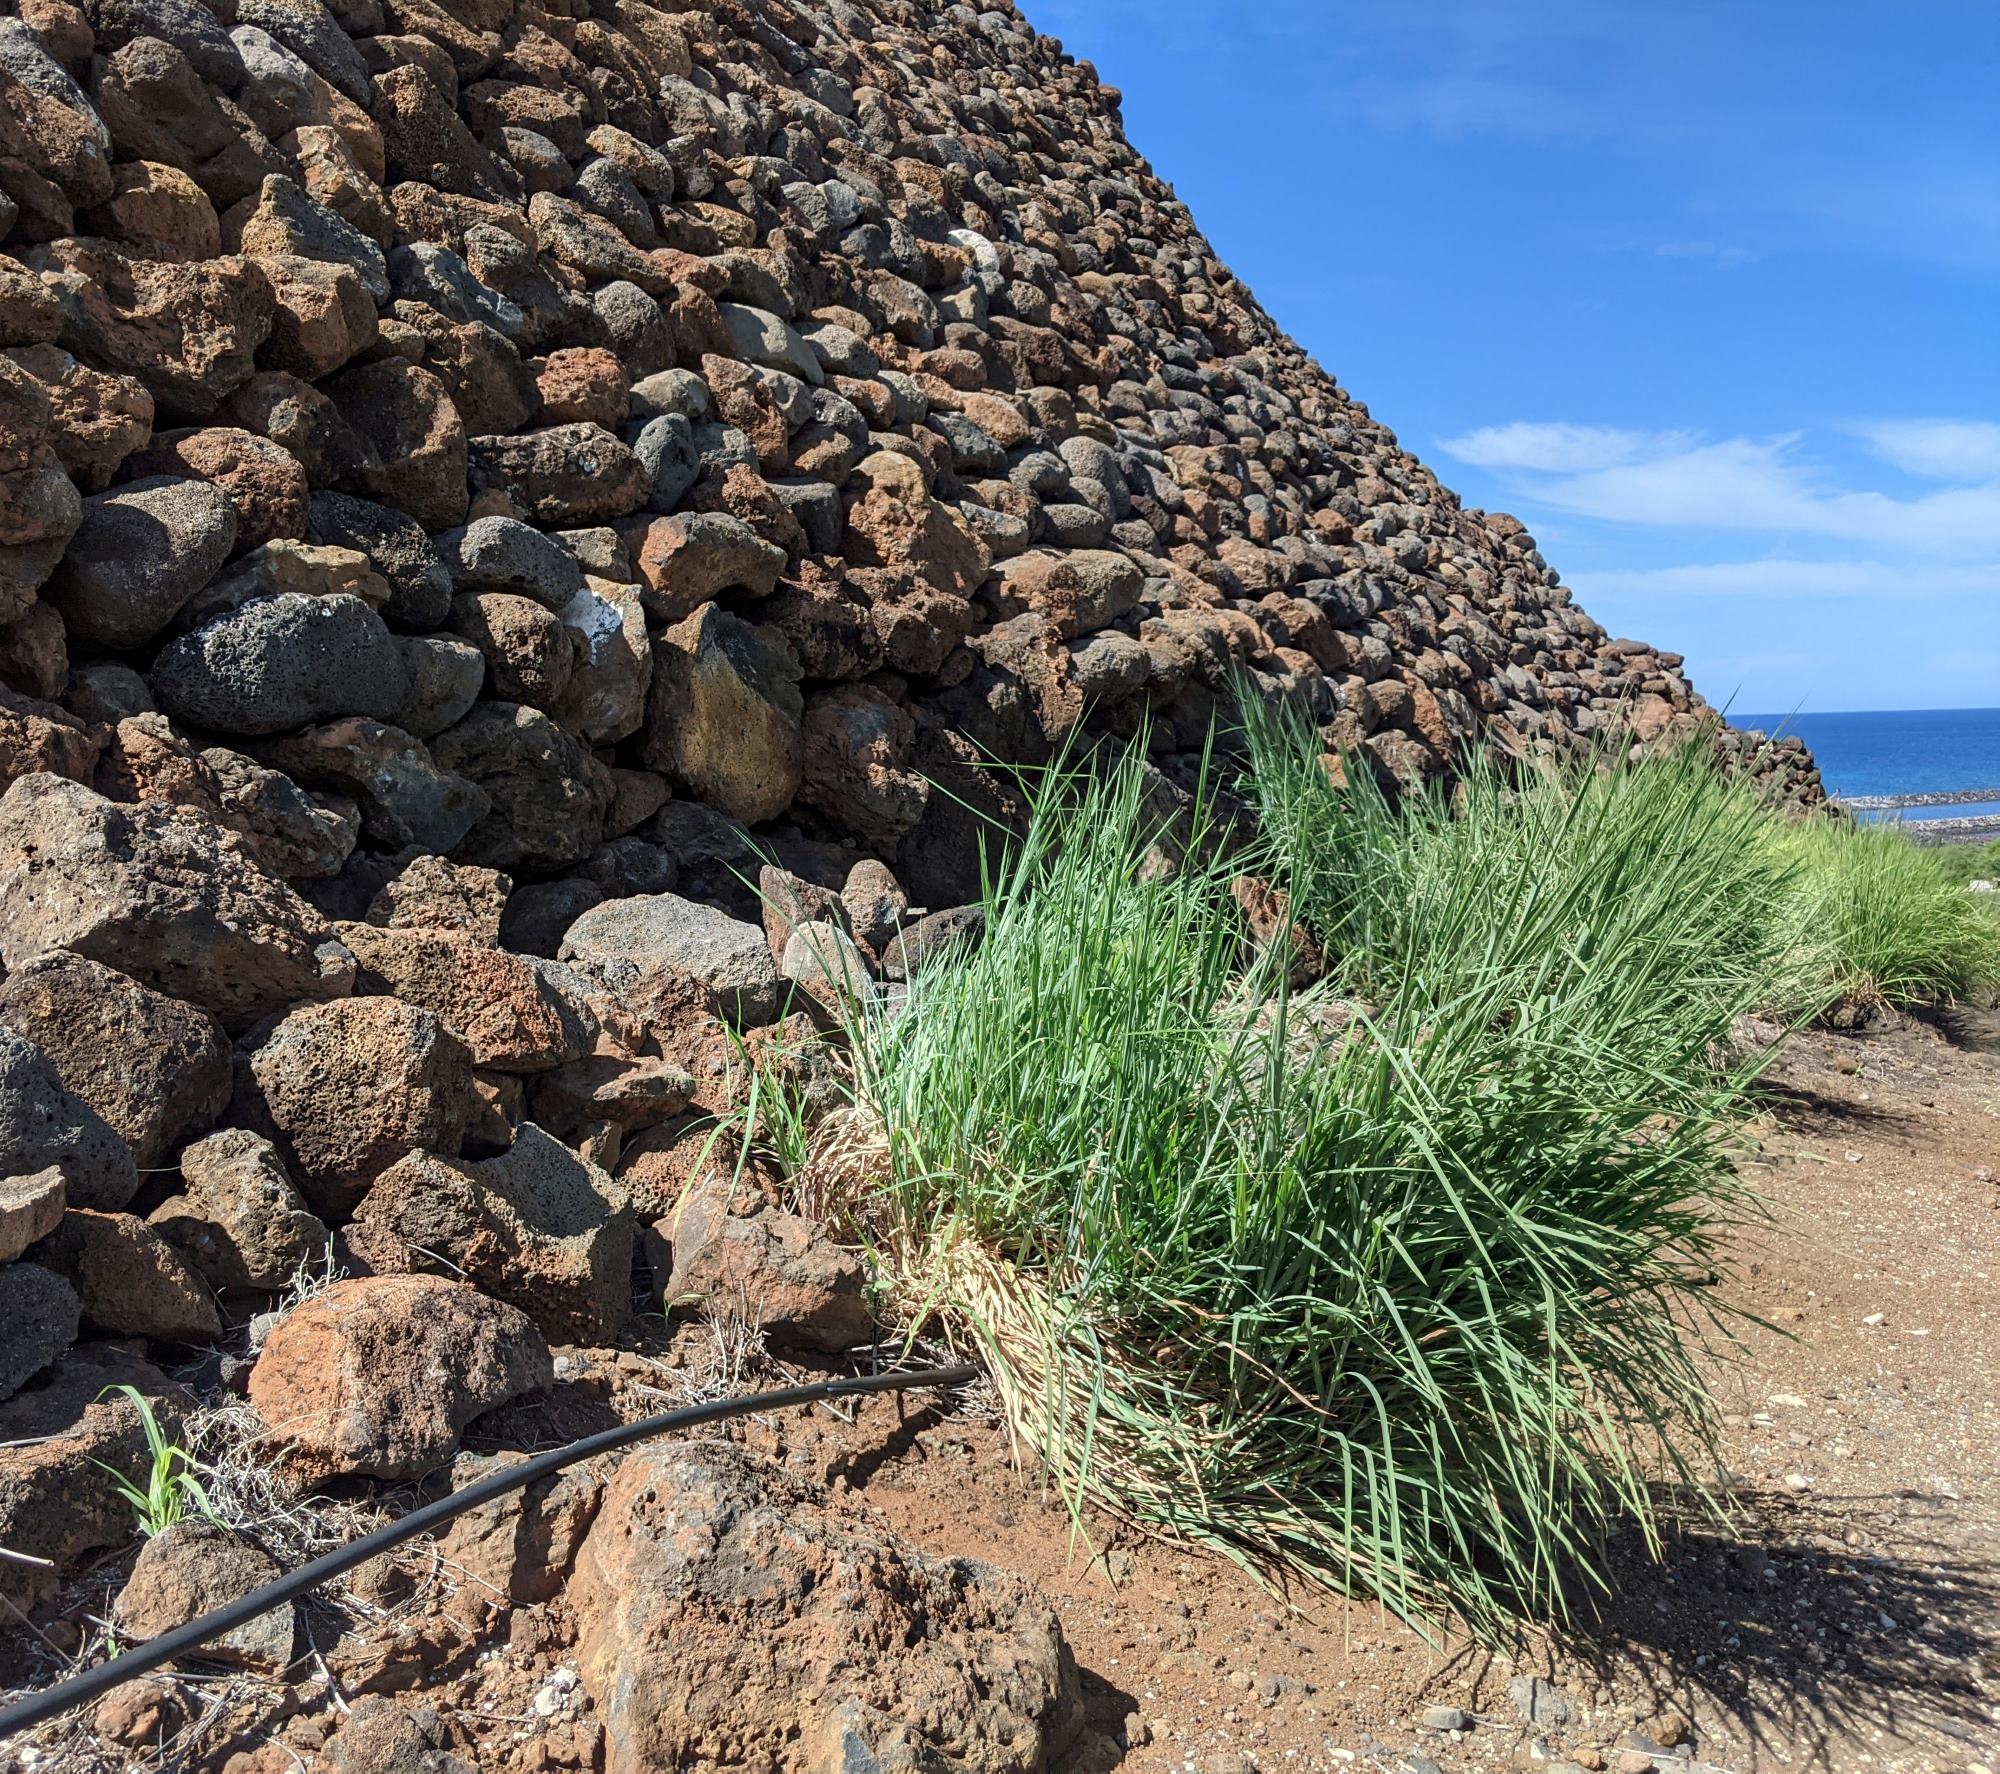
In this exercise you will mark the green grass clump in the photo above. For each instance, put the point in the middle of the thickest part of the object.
(1966, 863)
(1390, 1283)
(1889, 921)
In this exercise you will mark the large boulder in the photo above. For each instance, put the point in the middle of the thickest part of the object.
(344, 1090)
(237, 1220)
(44, 1125)
(143, 550)
(154, 1068)
(664, 955)
(377, 1378)
(865, 1652)
(281, 663)
(893, 522)
(724, 714)
(538, 1226)
(606, 699)
(160, 894)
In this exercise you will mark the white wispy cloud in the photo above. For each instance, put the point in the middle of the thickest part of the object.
(1798, 579)
(1562, 449)
(1963, 450)
(1674, 479)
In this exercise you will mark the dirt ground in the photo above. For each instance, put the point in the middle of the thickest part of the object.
(1848, 1618)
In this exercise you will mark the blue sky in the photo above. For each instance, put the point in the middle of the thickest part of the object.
(1707, 295)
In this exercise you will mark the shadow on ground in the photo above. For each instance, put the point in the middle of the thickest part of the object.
(1798, 1638)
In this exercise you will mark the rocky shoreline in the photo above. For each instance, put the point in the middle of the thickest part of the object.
(1974, 828)
(1941, 798)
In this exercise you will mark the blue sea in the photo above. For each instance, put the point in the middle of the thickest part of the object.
(1901, 752)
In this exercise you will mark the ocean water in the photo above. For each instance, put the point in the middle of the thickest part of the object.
(1901, 752)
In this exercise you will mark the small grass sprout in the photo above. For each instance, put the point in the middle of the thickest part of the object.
(172, 1478)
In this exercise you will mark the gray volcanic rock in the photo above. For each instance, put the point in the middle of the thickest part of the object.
(658, 949)
(44, 1125)
(445, 676)
(505, 555)
(31, 1207)
(549, 795)
(396, 547)
(238, 1220)
(280, 663)
(404, 798)
(143, 550)
(39, 1314)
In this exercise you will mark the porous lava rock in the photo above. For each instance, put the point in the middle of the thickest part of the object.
(801, 1287)
(193, 1568)
(46, 1126)
(344, 1090)
(154, 1068)
(159, 893)
(379, 1376)
(538, 1226)
(725, 1611)
(238, 1220)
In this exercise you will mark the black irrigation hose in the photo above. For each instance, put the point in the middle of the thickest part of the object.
(38, 1708)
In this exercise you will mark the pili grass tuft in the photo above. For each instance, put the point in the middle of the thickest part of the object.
(1393, 1284)
(1889, 920)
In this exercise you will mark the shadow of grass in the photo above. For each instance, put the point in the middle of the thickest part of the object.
(1801, 1638)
